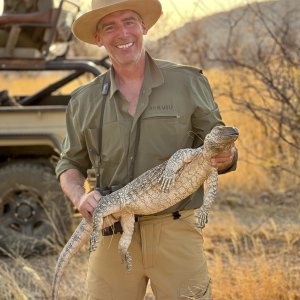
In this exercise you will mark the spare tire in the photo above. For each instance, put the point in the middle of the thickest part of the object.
(34, 214)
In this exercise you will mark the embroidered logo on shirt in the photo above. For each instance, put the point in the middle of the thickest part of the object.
(161, 107)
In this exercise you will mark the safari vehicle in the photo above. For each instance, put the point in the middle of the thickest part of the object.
(34, 214)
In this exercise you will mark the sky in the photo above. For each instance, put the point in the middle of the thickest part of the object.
(199, 7)
(178, 12)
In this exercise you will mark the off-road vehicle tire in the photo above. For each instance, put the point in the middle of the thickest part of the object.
(34, 214)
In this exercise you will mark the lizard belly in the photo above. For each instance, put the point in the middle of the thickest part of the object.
(155, 200)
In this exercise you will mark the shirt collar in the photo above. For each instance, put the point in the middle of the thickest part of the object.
(153, 76)
(113, 85)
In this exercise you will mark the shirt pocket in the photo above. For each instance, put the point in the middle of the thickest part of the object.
(159, 134)
(111, 143)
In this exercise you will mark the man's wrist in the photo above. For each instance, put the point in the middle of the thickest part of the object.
(232, 165)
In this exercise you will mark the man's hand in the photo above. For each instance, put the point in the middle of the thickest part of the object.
(87, 204)
(223, 160)
(72, 184)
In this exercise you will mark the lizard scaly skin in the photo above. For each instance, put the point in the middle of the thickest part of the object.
(155, 190)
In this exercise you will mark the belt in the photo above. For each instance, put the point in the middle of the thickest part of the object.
(110, 230)
(117, 227)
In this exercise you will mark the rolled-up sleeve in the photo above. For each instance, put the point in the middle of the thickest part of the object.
(74, 153)
(206, 114)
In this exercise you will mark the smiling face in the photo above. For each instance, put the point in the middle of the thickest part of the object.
(121, 33)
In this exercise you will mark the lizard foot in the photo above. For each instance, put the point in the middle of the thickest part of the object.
(128, 262)
(93, 242)
(201, 219)
(126, 258)
(166, 182)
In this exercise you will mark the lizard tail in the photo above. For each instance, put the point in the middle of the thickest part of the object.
(79, 237)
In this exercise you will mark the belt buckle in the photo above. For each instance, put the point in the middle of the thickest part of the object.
(107, 231)
(113, 229)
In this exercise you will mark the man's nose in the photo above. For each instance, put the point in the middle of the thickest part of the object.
(122, 30)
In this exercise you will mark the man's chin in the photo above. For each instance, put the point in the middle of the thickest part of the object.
(127, 60)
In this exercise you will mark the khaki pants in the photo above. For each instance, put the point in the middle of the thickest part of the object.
(168, 252)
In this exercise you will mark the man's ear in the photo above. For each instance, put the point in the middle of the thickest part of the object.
(145, 30)
(98, 39)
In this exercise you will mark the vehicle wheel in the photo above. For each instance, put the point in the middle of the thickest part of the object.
(34, 214)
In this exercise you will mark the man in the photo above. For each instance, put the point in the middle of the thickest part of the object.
(151, 109)
(25, 11)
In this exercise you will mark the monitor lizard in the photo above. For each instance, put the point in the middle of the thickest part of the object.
(153, 191)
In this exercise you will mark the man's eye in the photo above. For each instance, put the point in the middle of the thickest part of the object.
(130, 22)
(108, 28)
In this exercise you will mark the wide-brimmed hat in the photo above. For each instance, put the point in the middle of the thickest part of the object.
(84, 28)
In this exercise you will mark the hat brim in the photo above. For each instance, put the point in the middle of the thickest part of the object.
(84, 27)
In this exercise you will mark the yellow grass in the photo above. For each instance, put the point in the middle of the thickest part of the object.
(31, 82)
(254, 262)
(258, 153)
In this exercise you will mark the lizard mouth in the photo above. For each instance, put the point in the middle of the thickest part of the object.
(230, 131)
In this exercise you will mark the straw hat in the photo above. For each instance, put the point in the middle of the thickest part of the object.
(84, 28)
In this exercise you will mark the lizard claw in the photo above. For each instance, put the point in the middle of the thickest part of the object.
(93, 243)
(201, 219)
(126, 258)
(128, 262)
(166, 182)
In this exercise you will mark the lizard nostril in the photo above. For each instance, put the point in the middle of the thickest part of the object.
(236, 131)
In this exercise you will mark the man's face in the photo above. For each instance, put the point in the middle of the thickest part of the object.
(121, 33)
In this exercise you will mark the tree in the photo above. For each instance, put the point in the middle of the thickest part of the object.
(262, 58)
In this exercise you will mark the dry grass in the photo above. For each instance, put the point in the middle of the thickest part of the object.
(28, 83)
(252, 255)
(31, 278)
(258, 152)
(256, 259)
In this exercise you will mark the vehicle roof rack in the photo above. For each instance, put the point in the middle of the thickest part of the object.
(57, 30)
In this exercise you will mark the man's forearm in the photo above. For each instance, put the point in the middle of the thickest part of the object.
(72, 184)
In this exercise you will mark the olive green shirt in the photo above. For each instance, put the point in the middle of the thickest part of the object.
(175, 110)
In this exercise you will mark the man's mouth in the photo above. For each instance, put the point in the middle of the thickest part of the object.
(125, 46)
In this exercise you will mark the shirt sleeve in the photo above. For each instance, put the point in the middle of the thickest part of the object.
(74, 153)
(206, 114)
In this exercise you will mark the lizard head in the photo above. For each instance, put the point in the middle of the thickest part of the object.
(220, 139)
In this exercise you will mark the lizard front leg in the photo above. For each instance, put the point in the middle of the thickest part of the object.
(210, 191)
(174, 164)
(108, 205)
(127, 222)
